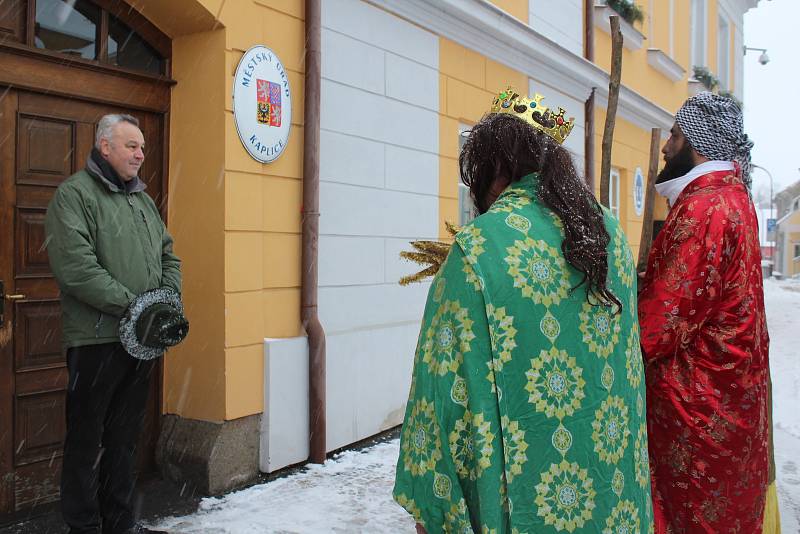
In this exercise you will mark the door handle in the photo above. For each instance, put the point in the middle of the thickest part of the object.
(4, 298)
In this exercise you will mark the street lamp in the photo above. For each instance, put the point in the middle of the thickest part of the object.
(771, 240)
(763, 58)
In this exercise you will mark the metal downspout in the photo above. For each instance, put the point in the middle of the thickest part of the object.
(310, 210)
(588, 54)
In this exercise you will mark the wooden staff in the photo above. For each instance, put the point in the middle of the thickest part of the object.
(611, 110)
(649, 200)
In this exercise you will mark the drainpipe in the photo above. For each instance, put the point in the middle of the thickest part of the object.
(310, 211)
(588, 109)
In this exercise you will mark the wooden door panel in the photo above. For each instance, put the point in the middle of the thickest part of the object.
(38, 336)
(12, 20)
(46, 379)
(32, 260)
(45, 150)
(38, 436)
(37, 483)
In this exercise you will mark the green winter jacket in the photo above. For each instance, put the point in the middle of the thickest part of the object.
(106, 246)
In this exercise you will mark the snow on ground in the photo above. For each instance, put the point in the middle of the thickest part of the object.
(782, 300)
(352, 492)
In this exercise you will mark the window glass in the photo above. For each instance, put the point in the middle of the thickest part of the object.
(466, 207)
(723, 53)
(68, 26)
(127, 49)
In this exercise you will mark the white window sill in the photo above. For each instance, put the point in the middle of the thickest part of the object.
(695, 87)
(665, 64)
(632, 39)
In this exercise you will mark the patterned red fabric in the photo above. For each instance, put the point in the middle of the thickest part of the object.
(705, 344)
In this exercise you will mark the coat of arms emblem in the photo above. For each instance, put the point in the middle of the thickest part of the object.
(268, 96)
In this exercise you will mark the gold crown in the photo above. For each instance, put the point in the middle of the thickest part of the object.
(534, 113)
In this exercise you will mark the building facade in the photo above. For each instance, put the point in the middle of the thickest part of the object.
(787, 232)
(401, 79)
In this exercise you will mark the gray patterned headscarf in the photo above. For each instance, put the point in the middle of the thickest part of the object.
(713, 126)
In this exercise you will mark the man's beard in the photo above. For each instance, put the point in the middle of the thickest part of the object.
(678, 165)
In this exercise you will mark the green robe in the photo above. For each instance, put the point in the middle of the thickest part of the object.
(527, 410)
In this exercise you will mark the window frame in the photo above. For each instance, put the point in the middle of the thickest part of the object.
(161, 44)
(698, 30)
(723, 51)
(466, 213)
(613, 192)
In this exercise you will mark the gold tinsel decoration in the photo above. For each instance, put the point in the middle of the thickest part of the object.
(431, 254)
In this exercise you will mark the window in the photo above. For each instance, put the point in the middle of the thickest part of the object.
(80, 28)
(723, 53)
(68, 27)
(796, 250)
(698, 33)
(613, 193)
(127, 49)
(466, 208)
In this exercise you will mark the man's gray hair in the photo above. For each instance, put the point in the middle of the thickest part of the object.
(106, 125)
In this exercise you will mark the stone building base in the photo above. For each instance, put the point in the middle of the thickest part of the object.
(211, 458)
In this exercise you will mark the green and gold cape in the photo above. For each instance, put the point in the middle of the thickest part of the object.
(526, 412)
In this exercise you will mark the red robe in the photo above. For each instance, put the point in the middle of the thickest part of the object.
(705, 344)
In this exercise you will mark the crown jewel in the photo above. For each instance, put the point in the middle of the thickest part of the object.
(534, 113)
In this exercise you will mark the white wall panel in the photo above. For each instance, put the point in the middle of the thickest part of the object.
(412, 170)
(353, 62)
(412, 82)
(284, 423)
(351, 260)
(356, 112)
(361, 211)
(351, 160)
(375, 26)
(352, 308)
(369, 376)
(561, 21)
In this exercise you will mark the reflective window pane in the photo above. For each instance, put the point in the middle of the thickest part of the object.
(126, 48)
(69, 26)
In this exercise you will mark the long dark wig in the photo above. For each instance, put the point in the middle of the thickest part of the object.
(504, 146)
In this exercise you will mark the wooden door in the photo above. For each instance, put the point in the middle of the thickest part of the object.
(43, 140)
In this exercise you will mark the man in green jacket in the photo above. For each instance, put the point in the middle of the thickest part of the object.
(107, 244)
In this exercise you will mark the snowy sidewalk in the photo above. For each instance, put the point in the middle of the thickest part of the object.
(352, 493)
(782, 300)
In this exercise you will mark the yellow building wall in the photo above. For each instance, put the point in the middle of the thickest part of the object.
(637, 74)
(515, 8)
(194, 371)
(631, 149)
(794, 262)
(468, 83)
(243, 275)
(631, 144)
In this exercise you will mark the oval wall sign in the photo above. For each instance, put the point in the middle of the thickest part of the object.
(262, 104)
(638, 191)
